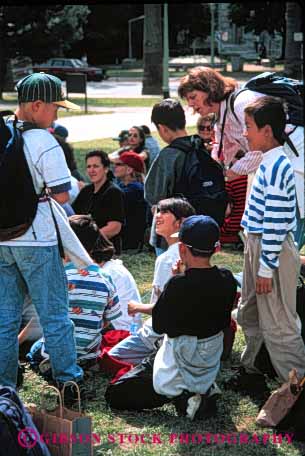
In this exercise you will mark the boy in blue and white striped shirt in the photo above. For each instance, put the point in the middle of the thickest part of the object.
(267, 312)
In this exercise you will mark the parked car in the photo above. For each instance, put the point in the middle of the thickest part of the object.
(60, 67)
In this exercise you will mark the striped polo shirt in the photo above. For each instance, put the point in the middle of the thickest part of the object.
(271, 207)
(93, 301)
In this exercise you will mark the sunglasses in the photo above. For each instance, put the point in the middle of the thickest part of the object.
(119, 164)
(133, 135)
(204, 127)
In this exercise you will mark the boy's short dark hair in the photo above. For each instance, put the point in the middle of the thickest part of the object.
(98, 246)
(99, 153)
(170, 113)
(146, 130)
(271, 111)
(179, 207)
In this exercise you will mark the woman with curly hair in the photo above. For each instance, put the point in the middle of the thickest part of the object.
(208, 91)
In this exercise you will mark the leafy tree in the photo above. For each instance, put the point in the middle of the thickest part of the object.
(259, 16)
(47, 32)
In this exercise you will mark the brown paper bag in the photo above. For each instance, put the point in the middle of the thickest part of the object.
(66, 432)
(280, 402)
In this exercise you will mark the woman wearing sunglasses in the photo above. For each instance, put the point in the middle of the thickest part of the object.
(205, 129)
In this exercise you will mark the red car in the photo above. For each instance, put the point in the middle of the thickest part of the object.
(60, 66)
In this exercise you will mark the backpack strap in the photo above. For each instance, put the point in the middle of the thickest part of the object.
(222, 129)
(60, 244)
(290, 143)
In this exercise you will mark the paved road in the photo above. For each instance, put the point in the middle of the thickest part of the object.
(116, 87)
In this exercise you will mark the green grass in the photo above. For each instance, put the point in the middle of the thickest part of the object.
(236, 413)
(106, 144)
(145, 102)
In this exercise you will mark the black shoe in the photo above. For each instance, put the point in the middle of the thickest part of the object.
(196, 406)
(20, 375)
(252, 384)
(70, 394)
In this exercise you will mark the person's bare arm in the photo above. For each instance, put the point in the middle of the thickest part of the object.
(135, 307)
(144, 155)
(25, 331)
(111, 229)
(61, 198)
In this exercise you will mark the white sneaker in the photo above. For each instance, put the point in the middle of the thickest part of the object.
(193, 405)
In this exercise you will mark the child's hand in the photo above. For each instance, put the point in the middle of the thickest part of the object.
(133, 307)
(263, 285)
(178, 267)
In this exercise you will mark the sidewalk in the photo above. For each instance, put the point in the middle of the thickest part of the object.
(108, 125)
(95, 126)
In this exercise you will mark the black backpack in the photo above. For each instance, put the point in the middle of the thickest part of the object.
(18, 198)
(18, 433)
(290, 90)
(202, 181)
(134, 390)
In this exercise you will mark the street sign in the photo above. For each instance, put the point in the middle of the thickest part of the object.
(77, 83)
(298, 36)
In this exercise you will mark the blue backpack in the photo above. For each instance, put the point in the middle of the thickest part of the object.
(13, 420)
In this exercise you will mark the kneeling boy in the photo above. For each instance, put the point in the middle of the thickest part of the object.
(193, 310)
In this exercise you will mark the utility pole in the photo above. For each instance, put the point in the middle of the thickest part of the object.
(165, 85)
(212, 9)
(130, 21)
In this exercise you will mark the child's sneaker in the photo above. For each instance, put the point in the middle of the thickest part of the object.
(196, 406)
(70, 395)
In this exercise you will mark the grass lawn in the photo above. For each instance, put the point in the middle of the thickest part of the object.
(173, 435)
(10, 98)
(236, 413)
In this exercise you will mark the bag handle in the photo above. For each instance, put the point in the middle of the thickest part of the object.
(78, 393)
(59, 396)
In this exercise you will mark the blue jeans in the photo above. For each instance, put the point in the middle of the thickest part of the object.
(131, 350)
(38, 271)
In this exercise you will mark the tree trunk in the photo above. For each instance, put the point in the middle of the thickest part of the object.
(152, 50)
(293, 57)
(3, 61)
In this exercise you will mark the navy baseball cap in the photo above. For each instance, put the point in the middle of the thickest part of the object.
(200, 232)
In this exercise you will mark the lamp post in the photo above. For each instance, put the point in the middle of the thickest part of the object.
(130, 21)
(212, 9)
(165, 85)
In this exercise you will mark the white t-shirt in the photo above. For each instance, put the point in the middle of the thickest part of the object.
(126, 288)
(162, 274)
(48, 166)
(163, 269)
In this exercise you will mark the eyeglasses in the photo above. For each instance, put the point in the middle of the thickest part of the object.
(132, 135)
(119, 164)
(205, 127)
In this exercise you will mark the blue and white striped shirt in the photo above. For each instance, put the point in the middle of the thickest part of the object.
(271, 207)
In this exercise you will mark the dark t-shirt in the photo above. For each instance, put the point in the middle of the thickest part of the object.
(197, 303)
(135, 210)
(106, 205)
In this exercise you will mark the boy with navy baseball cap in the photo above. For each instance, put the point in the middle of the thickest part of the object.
(193, 310)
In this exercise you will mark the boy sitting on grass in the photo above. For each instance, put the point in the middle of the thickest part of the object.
(93, 300)
(170, 214)
(193, 310)
(267, 312)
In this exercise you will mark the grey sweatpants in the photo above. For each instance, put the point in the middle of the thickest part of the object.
(272, 317)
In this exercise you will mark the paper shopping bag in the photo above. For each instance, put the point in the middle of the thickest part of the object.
(66, 432)
(281, 401)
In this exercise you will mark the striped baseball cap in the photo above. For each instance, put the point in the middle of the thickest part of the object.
(44, 87)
